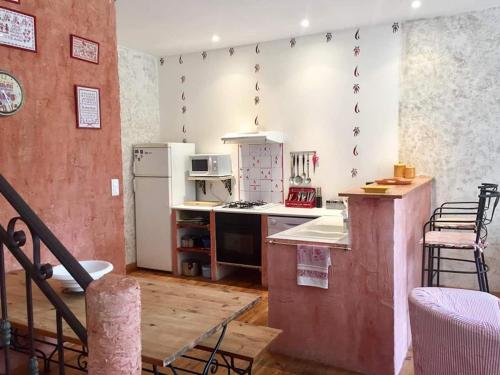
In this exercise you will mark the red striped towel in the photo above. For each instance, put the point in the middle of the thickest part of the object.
(313, 263)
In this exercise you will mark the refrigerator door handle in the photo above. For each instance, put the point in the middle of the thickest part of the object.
(133, 185)
(133, 166)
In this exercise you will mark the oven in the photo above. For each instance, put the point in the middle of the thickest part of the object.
(238, 239)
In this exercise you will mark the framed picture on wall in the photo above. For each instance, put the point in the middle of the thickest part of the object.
(17, 30)
(88, 107)
(84, 49)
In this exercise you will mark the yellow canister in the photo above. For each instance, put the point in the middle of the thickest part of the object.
(399, 170)
(409, 172)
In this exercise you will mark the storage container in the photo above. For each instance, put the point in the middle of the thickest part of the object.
(206, 271)
(190, 268)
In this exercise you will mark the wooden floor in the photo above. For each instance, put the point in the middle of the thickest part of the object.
(268, 363)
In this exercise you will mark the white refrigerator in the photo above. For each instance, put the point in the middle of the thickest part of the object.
(160, 182)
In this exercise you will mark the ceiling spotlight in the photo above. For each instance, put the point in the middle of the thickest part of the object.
(215, 38)
(416, 4)
(304, 22)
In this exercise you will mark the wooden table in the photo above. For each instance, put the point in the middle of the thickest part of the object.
(175, 317)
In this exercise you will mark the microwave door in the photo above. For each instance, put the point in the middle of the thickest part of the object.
(199, 166)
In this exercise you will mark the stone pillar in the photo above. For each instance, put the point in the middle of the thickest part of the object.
(114, 326)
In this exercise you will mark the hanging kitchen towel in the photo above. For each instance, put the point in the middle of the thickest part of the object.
(313, 263)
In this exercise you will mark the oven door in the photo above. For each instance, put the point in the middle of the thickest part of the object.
(238, 239)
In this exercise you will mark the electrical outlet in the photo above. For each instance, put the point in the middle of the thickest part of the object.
(115, 187)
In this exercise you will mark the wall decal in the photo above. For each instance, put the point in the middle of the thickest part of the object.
(257, 88)
(329, 37)
(180, 60)
(356, 88)
(17, 30)
(357, 51)
(231, 51)
(356, 71)
(356, 108)
(256, 121)
(356, 131)
(395, 27)
(292, 42)
(184, 109)
(257, 68)
(257, 49)
(88, 107)
(355, 151)
(183, 96)
(84, 49)
(354, 172)
(162, 61)
(356, 35)
(183, 79)
(204, 55)
(256, 100)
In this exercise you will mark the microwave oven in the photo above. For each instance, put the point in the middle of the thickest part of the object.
(212, 165)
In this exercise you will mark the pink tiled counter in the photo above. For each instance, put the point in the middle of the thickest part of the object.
(361, 322)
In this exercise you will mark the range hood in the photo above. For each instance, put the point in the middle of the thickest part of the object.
(254, 138)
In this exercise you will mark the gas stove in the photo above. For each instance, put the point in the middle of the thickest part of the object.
(247, 205)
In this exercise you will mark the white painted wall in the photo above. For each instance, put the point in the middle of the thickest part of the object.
(305, 91)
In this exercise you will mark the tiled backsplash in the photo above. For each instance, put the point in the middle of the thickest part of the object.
(261, 172)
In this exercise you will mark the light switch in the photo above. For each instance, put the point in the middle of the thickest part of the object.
(115, 187)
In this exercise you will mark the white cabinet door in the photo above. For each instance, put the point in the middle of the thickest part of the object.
(152, 223)
(151, 161)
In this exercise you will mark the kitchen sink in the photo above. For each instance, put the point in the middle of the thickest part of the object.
(324, 229)
(331, 235)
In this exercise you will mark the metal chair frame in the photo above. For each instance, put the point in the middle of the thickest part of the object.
(481, 208)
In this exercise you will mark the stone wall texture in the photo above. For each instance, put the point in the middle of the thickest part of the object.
(140, 116)
(450, 112)
(63, 172)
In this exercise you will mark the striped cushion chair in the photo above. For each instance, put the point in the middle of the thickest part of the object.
(455, 332)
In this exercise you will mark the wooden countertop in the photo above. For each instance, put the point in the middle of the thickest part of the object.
(395, 192)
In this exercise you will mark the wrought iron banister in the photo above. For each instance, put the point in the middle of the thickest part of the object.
(46, 236)
(36, 272)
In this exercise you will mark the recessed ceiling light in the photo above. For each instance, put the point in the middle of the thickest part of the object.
(416, 4)
(304, 22)
(215, 38)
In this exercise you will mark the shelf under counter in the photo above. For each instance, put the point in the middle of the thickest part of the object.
(199, 250)
(193, 226)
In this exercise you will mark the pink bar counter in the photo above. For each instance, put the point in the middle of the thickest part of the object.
(361, 322)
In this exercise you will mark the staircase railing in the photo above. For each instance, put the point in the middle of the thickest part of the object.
(14, 239)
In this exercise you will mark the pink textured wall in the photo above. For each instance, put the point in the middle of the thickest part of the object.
(64, 173)
(361, 322)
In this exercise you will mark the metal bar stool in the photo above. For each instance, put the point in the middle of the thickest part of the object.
(460, 216)
(463, 238)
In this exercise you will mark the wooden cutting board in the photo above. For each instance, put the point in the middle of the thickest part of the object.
(203, 203)
(394, 181)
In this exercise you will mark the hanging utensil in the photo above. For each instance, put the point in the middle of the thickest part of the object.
(303, 167)
(315, 160)
(292, 174)
(298, 178)
(307, 180)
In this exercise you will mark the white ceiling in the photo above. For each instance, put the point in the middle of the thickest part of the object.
(169, 27)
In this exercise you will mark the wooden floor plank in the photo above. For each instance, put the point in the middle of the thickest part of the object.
(268, 363)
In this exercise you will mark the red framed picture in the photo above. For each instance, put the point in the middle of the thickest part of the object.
(17, 30)
(84, 49)
(88, 107)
